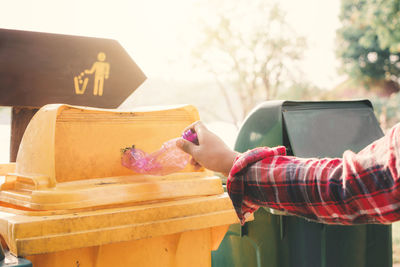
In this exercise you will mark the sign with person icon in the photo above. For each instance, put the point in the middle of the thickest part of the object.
(100, 71)
(42, 68)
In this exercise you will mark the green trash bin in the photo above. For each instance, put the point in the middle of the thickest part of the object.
(275, 239)
(9, 260)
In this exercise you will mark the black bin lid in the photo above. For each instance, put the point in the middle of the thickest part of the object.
(327, 129)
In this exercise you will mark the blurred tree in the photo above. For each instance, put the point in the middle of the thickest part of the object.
(387, 110)
(302, 91)
(369, 42)
(250, 49)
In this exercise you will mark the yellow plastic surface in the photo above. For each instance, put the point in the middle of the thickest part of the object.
(190, 248)
(66, 143)
(70, 158)
(27, 234)
(68, 201)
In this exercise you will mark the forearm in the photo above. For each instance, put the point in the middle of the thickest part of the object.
(359, 188)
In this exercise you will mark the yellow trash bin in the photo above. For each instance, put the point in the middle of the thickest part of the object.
(68, 201)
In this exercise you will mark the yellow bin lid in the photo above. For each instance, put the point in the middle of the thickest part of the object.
(70, 158)
(69, 189)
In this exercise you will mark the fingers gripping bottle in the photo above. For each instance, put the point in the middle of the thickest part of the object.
(168, 159)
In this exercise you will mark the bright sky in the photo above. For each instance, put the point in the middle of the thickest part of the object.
(318, 21)
(156, 32)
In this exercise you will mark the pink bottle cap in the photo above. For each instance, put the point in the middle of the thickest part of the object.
(191, 136)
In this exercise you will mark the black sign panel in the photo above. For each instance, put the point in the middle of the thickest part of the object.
(42, 68)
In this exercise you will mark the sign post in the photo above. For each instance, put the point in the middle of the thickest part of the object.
(42, 68)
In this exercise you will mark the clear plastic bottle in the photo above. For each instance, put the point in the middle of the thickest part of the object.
(168, 159)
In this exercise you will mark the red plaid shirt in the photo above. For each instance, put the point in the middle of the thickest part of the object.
(358, 188)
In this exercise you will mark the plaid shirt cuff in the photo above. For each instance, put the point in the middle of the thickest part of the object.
(236, 179)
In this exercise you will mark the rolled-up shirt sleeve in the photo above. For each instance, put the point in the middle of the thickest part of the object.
(357, 188)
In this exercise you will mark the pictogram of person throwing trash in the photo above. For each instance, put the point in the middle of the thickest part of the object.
(101, 71)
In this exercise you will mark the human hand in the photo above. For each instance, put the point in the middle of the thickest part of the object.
(211, 153)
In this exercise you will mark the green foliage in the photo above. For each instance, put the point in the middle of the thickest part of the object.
(386, 21)
(387, 110)
(369, 40)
